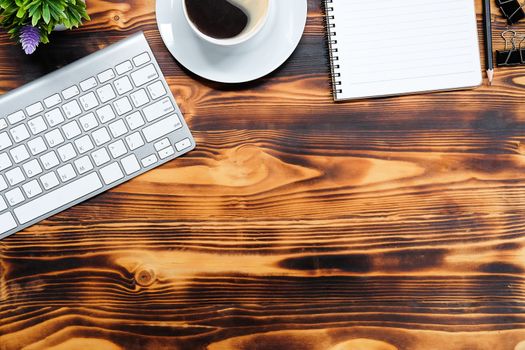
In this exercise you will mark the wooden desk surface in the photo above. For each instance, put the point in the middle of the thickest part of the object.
(297, 223)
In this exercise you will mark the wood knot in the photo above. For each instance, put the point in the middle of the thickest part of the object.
(145, 276)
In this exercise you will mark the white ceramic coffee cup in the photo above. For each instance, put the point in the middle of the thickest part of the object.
(262, 10)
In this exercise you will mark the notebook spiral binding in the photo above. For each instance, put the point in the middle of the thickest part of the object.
(332, 47)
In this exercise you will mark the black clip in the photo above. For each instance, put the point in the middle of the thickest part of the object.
(512, 10)
(513, 55)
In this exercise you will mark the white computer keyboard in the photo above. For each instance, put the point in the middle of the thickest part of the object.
(84, 129)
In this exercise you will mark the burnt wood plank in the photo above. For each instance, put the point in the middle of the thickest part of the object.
(297, 223)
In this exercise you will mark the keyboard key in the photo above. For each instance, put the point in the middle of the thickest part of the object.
(161, 128)
(149, 160)
(117, 149)
(14, 197)
(100, 157)
(157, 90)
(5, 141)
(118, 128)
(162, 144)
(3, 204)
(106, 75)
(89, 101)
(123, 85)
(67, 152)
(101, 136)
(3, 123)
(15, 176)
(34, 109)
(5, 162)
(7, 222)
(71, 130)
(122, 106)
(88, 84)
(32, 168)
(37, 146)
(166, 152)
(37, 125)
(32, 189)
(61, 196)
(139, 98)
(83, 165)
(182, 145)
(141, 59)
(19, 154)
(54, 138)
(158, 109)
(49, 160)
(72, 109)
(3, 184)
(49, 181)
(20, 133)
(52, 101)
(70, 92)
(130, 164)
(111, 173)
(144, 75)
(105, 114)
(66, 173)
(54, 117)
(134, 120)
(88, 122)
(124, 67)
(106, 93)
(84, 144)
(16, 117)
(134, 141)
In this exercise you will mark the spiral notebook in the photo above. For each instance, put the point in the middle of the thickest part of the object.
(394, 47)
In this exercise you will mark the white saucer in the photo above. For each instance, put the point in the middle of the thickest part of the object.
(259, 56)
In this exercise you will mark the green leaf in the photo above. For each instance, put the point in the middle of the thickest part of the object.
(36, 17)
(46, 14)
(44, 39)
(21, 12)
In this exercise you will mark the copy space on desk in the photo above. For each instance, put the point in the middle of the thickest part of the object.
(387, 47)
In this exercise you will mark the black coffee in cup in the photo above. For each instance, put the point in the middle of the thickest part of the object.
(219, 19)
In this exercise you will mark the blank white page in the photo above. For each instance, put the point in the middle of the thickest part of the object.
(393, 47)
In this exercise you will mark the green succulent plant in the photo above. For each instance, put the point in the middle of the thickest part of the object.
(41, 14)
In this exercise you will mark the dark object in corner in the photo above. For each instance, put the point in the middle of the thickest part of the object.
(512, 10)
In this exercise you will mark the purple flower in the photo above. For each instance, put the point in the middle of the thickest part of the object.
(29, 38)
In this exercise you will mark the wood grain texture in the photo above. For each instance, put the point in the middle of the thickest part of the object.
(297, 223)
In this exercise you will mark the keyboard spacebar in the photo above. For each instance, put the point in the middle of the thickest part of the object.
(58, 198)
